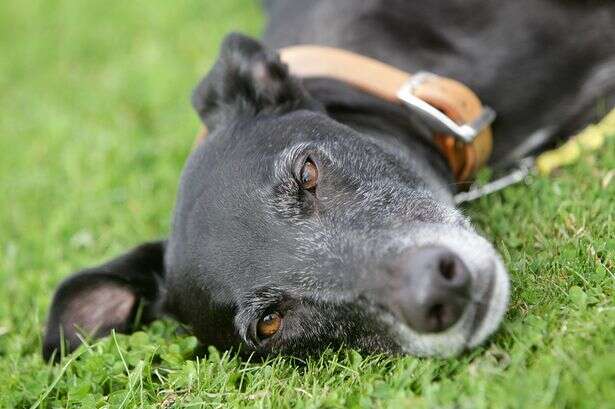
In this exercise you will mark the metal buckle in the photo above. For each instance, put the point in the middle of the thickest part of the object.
(435, 119)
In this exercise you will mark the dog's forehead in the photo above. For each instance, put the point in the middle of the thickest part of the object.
(249, 150)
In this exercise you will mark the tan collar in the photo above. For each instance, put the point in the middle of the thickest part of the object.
(462, 134)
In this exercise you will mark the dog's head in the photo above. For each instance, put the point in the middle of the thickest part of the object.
(293, 232)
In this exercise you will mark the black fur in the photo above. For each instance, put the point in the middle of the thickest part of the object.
(541, 64)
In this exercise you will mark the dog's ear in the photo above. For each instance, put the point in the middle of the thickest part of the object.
(247, 79)
(114, 295)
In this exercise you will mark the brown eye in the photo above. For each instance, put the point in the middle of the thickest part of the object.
(268, 325)
(309, 175)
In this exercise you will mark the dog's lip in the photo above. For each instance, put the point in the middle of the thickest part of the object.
(482, 305)
(489, 313)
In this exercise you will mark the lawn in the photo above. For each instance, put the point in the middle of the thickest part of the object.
(95, 125)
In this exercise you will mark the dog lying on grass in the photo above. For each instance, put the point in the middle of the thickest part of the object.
(316, 214)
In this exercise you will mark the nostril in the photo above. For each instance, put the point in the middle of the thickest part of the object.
(442, 316)
(435, 317)
(447, 268)
(453, 273)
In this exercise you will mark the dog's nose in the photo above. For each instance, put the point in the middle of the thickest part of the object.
(436, 289)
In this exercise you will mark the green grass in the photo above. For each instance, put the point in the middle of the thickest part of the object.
(95, 125)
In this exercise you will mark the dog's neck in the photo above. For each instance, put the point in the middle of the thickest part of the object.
(389, 124)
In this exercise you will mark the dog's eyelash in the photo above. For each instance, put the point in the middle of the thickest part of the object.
(289, 199)
(284, 167)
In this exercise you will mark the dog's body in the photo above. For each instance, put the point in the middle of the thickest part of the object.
(316, 215)
(543, 65)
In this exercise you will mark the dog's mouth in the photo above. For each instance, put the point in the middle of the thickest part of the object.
(491, 306)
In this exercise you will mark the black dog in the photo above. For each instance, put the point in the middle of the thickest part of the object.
(315, 215)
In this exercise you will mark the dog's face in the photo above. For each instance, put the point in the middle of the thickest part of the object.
(293, 232)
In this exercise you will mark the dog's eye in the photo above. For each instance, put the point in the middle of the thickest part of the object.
(268, 325)
(308, 176)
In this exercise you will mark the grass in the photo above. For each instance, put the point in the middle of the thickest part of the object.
(95, 126)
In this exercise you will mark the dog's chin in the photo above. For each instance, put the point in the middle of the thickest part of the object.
(490, 294)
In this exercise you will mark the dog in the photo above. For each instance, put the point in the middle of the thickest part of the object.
(316, 215)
